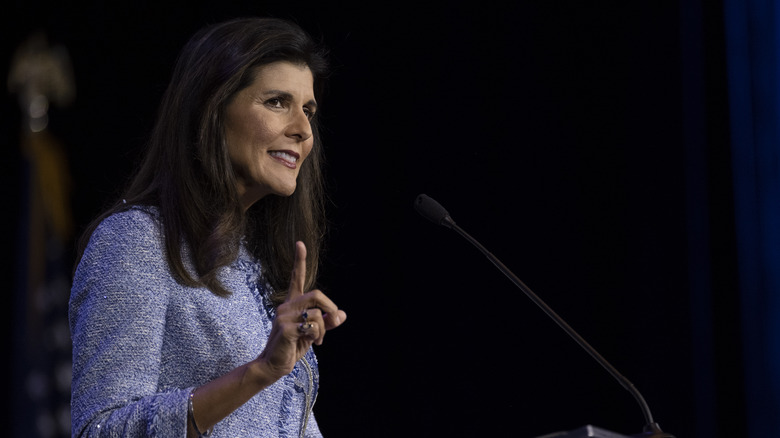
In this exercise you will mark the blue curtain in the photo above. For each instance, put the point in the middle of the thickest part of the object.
(752, 53)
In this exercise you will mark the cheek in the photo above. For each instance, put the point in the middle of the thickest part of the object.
(249, 127)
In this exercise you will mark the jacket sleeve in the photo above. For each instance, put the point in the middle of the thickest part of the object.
(117, 314)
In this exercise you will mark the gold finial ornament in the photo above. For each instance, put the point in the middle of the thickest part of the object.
(41, 74)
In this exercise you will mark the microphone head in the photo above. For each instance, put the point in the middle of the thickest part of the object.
(432, 210)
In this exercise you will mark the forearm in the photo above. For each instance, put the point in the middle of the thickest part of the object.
(218, 398)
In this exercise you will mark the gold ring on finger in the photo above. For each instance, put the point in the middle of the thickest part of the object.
(304, 327)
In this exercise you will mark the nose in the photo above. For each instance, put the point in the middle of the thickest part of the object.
(300, 126)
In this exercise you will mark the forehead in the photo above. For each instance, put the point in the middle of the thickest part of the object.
(286, 76)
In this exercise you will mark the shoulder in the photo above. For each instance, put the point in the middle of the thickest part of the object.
(133, 234)
(124, 261)
(137, 220)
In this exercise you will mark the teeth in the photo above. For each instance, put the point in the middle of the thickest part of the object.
(284, 156)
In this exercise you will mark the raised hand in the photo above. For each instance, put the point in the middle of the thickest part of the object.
(302, 320)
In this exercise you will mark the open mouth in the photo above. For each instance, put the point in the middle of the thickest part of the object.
(288, 158)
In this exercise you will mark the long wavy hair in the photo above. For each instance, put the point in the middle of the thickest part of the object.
(187, 174)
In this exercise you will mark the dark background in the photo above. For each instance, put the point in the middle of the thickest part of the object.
(580, 142)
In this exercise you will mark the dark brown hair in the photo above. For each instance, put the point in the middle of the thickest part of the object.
(187, 173)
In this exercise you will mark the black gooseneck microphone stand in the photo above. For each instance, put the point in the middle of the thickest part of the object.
(433, 211)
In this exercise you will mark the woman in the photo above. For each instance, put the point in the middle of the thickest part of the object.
(192, 311)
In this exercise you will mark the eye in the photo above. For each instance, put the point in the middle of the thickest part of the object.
(310, 113)
(276, 102)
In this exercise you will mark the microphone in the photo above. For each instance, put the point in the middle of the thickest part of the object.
(433, 211)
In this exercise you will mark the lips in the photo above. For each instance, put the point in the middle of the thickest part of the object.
(288, 158)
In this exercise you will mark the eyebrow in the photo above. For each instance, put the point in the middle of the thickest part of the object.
(311, 103)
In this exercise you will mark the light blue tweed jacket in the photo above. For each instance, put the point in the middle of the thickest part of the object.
(141, 341)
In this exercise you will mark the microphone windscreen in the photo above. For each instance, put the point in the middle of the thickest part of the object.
(426, 206)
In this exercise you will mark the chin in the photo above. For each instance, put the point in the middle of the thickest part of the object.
(285, 192)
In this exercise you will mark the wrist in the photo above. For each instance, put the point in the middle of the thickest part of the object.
(191, 414)
(260, 373)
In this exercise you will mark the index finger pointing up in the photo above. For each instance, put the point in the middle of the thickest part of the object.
(298, 275)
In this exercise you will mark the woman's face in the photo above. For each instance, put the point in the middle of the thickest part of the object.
(268, 130)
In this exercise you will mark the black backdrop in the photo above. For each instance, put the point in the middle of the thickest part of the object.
(554, 132)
